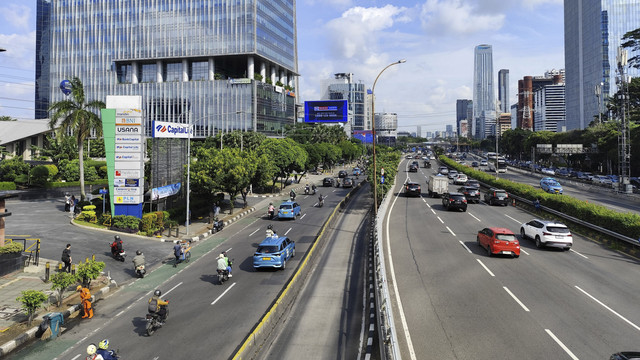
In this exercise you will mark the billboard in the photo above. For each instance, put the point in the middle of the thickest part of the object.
(162, 129)
(326, 111)
(366, 136)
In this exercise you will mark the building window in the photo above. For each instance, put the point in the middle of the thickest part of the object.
(198, 70)
(172, 71)
(124, 73)
(147, 73)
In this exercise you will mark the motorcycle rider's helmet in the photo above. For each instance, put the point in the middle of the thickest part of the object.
(270, 227)
(220, 256)
(104, 344)
(138, 252)
(157, 293)
(117, 237)
(91, 349)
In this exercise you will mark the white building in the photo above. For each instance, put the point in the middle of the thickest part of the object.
(550, 108)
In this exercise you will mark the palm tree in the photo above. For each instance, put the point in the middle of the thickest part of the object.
(75, 116)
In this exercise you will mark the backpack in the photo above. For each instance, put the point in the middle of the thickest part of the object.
(153, 305)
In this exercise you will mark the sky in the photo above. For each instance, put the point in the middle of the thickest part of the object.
(435, 37)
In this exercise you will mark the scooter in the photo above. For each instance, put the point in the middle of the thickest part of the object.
(154, 322)
(306, 190)
(271, 214)
(313, 190)
(223, 275)
(217, 225)
(117, 255)
(140, 271)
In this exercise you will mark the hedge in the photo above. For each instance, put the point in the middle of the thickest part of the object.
(11, 248)
(58, 184)
(7, 185)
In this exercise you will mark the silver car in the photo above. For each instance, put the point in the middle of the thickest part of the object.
(547, 233)
(443, 170)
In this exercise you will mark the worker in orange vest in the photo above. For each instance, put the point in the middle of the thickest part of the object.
(85, 296)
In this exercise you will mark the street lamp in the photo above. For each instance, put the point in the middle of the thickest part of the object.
(373, 130)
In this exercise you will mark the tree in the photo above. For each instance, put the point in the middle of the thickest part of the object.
(631, 41)
(89, 270)
(7, 118)
(63, 147)
(286, 155)
(60, 282)
(76, 116)
(31, 300)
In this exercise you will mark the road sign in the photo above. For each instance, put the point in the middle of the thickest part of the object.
(382, 171)
(104, 191)
(382, 179)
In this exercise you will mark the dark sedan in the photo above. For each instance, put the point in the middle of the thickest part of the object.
(347, 182)
(342, 174)
(412, 189)
(327, 182)
(472, 183)
(471, 193)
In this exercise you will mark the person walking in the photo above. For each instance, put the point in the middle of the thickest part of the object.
(216, 210)
(73, 205)
(85, 297)
(66, 258)
(177, 252)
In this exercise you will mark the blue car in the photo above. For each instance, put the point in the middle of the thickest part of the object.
(288, 210)
(356, 171)
(273, 252)
(551, 185)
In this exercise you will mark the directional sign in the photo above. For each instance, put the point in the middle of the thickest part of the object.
(382, 179)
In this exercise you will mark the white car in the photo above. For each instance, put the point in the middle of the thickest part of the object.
(547, 233)
(443, 170)
(460, 179)
(483, 162)
(548, 171)
(453, 174)
(601, 179)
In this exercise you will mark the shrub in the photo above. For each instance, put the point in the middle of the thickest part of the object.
(39, 175)
(31, 300)
(21, 179)
(11, 248)
(12, 168)
(126, 222)
(89, 270)
(102, 172)
(53, 171)
(6, 185)
(148, 222)
(60, 282)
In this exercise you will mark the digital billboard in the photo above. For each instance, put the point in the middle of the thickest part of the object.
(326, 111)
(366, 136)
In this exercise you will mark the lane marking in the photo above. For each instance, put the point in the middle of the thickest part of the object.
(452, 233)
(610, 309)
(223, 293)
(465, 246)
(584, 256)
(566, 349)
(285, 234)
(486, 268)
(433, 211)
(75, 357)
(429, 206)
(334, 190)
(515, 298)
(303, 215)
(120, 313)
(170, 290)
(516, 220)
(440, 219)
(473, 216)
(522, 250)
(254, 231)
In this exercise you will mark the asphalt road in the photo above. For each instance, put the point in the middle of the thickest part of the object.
(452, 301)
(206, 320)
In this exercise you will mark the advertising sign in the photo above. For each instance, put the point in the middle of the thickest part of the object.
(135, 199)
(127, 165)
(127, 191)
(128, 148)
(162, 129)
(128, 173)
(326, 111)
(121, 182)
(128, 156)
(128, 130)
(128, 139)
(366, 136)
(165, 191)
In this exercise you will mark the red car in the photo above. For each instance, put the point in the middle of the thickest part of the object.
(499, 241)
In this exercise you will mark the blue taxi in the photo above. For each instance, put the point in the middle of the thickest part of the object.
(551, 185)
(273, 252)
(288, 210)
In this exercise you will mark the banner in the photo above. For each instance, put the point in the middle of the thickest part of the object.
(163, 129)
(165, 191)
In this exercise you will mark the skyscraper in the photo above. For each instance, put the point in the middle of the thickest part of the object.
(484, 104)
(593, 30)
(503, 90)
(550, 108)
(342, 87)
(221, 65)
(464, 111)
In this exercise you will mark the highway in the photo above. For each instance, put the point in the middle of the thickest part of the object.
(452, 301)
(206, 320)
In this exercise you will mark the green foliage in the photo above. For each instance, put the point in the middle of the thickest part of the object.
(59, 147)
(6, 185)
(126, 222)
(89, 270)
(70, 170)
(148, 222)
(102, 172)
(39, 175)
(31, 300)
(386, 159)
(12, 168)
(279, 83)
(52, 185)
(257, 76)
(60, 282)
(53, 171)
(11, 248)
(96, 148)
(22, 179)
(286, 155)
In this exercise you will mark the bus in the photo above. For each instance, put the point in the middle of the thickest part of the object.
(502, 164)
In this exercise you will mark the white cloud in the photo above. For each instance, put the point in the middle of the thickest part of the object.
(333, 3)
(532, 4)
(18, 16)
(456, 17)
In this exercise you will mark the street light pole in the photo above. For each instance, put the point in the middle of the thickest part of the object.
(373, 130)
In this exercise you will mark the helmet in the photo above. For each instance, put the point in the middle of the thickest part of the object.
(224, 253)
(138, 252)
(79, 288)
(157, 293)
(104, 344)
(91, 349)
(269, 227)
(117, 237)
(221, 256)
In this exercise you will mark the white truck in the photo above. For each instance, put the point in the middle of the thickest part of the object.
(437, 185)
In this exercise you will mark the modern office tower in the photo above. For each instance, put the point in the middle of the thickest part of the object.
(514, 116)
(484, 104)
(449, 131)
(526, 89)
(429, 135)
(419, 131)
(220, 65)
(342, 87)
(503, 90)
(549, 108)
(464, 111)
(387, 128)
(593, 30)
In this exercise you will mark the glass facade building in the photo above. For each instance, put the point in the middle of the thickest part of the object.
(503, 90)
(549, 108)
(192, 61)
(342, 87)
(593, 30)
(484, 103)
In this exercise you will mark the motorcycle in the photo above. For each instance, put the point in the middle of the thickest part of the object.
(140, 271)
(292, 195)
(306, 190)
(223, 275)
(117, 255)
(154, 322)
(313, 190)
(320, 201)
(217, 225)
(271, 214)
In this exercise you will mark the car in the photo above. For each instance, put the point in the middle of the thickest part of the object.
(551, 185)
(425, 157)
(342, 174)
(273, 252)
(471, 193)
(547, 233)
(328, 182)
(288, 210)
(454, 201)
(496, 196)
(460, 179)
(443, 170)
(472, 183)
(347, 182)
(412, 189)
(356, 171)
(548, 171)
(413, 168)
(415, 163)
(474, 164)
(484, 163)
(497, 240)
(409, 156)
(417, 157)
(431, 157)
(601, 179)
(452, 174)
(626, 355)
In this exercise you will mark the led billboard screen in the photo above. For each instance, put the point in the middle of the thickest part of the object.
(366, 136)
(326, 111)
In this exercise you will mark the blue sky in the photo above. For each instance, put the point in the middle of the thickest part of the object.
(436, 37)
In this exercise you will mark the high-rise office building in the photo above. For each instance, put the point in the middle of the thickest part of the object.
(419, 131)
(550, 108)
(484, 104)
(464, 111)
(526, 90)
(503, 90)
(593, 30)
(220, 65)
(342, 87)
(387, 128)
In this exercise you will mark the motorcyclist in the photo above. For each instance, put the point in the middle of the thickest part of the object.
(92, 353)
(320, 200)
(223, 264)
(138, 260)
(292, 194)
(272, 210)
(229, 263)
(313, 189)
(270, 231)
(306, 189)
(116, 246)
(103, 350)
(158, 306)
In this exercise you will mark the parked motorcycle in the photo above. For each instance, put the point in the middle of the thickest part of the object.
(154, 322)
(217, 225)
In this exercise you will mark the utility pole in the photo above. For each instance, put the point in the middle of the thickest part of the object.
(624, 140)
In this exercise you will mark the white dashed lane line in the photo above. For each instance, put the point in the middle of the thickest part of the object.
(254, 231)
(516, 299)
(573, 251)
(485, 267)
(465, 246)
(473, 216)
(452, 233)
(516, 220)
(439, 218)
(566, 349)
(610, 309)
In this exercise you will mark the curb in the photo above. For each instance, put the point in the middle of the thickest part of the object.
(30, 334)
(210, 232)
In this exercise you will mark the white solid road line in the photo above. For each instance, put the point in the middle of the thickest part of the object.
(285, 234)
(516, 220)
(486, 268)
(452, 233)
(465, 246)
(516, 299)
(224, 292)
(584, 256)
(566, 349)
(610, 309)
(170, 290)
(75, 357)
(254, 231)
(473, 216)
